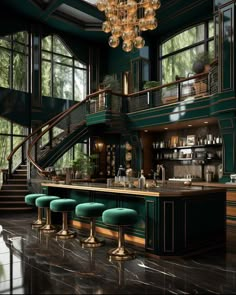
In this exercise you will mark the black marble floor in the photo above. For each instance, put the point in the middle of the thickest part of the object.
(34, 263)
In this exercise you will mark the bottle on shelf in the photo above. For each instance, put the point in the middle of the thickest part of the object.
(141, 180)
(163, 173)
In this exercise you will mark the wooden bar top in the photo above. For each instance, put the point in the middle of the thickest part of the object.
(159, 191)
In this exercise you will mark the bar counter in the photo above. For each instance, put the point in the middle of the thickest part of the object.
(159, 191)
(173, 220)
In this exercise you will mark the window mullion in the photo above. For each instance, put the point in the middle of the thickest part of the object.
(11, 64)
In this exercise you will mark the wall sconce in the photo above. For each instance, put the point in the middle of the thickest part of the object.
(99, 146)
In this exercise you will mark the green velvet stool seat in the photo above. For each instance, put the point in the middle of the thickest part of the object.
(120, 217)
(91, 211)
(30, 200)
(64, 206)
(44, 202)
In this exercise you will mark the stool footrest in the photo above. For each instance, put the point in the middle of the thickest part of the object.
(37, 223)
(49, 228)
(120, 254)
(65, 234)
(91, 242)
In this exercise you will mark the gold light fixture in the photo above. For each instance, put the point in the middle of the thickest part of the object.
(99, 145)
(127, 19)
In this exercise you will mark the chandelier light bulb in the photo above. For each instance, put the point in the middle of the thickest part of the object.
(139, 42)
(131, 7)
(156, 4)
(113, 41)
(101, 5)
(116, 31)
(126, 19)
(127, 45)
(112, 2)
(106, 27)
(143, 24)
(149, 12)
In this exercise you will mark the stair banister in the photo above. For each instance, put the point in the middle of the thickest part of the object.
(57, 120)
(22, 144)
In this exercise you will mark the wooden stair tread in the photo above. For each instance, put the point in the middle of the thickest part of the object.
(13, 184)
(15, 208)
(12, 202)
(12, 179)
(12, 193)
(12, 197)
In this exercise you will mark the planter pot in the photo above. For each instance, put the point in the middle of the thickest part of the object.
(200, 88)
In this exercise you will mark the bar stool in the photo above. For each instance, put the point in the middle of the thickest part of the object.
(30, 200)
(44, 202)
(64, 206)
(91, 211)
(120, 217)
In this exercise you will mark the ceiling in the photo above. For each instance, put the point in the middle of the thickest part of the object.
(83, 19)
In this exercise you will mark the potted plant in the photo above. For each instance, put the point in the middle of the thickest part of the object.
(84, 165)
(201, 64)
(111, 82)
(151, 84)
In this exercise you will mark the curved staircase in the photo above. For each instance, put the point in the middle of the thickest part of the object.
(12, 193)
(73, 129)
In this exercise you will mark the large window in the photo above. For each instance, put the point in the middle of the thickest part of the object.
(178, 52)
(62, 75)
(14, 52)
(11, 135)
(66, 160)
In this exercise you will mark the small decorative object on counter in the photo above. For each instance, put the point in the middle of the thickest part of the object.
(121, 173)
(209, 176)
(141, 181)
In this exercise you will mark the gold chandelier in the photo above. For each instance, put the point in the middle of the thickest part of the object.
(126, 19)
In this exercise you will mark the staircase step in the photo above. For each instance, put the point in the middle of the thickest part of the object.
(11, 198)
(23, 166)
(16, 209)
(4, 204)
(17, 181)
(18, 176)
(21, 171)
(13, 192)
(14, 187)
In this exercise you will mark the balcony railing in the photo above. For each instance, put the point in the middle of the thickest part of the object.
(194, 87)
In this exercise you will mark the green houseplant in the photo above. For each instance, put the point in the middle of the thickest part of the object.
(201, 64)
(111, 82)
(84, 165)
(151, 84)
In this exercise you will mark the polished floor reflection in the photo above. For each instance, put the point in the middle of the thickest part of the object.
(35, 263)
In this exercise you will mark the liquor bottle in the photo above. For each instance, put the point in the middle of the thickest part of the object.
(141, 181)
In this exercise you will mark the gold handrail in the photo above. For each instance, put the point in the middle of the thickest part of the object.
(166, 85)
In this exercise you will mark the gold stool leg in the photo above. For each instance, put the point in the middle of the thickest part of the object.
(65, 233)
(92, 241)
(39, 222)
(120, 253)
(48, 227)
